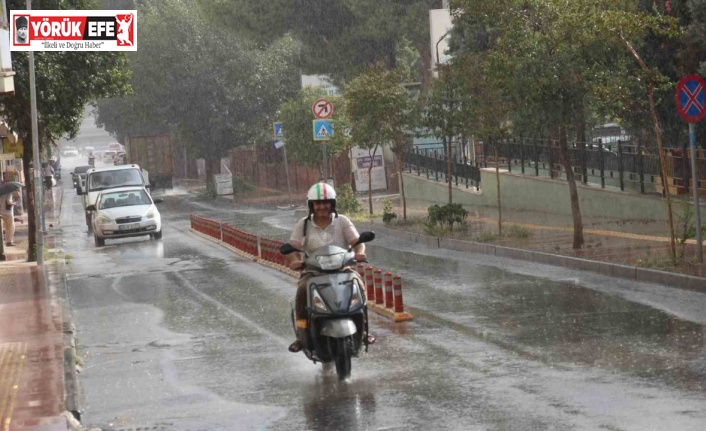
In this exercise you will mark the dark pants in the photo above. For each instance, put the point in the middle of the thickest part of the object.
(47, 182)
(300, 299)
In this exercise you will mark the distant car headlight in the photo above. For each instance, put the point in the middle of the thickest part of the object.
(103, 219)
(333, 261)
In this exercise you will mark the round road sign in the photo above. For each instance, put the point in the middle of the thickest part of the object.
(691, 98)
(322, 109)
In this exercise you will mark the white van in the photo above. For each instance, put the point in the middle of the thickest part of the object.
(110, 177)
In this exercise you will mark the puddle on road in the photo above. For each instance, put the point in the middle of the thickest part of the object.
(556, 321)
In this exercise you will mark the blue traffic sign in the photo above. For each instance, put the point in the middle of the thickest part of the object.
(323, 130)
(277, 127)
(691, 98)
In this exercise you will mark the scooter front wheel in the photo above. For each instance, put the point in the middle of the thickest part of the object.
(344, 351)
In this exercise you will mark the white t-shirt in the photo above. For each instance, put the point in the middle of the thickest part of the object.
(340, 233)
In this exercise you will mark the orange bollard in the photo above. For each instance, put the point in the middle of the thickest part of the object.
(397, 286)
(360, 268)
(379, 299)
(387, 277)
(369, 286)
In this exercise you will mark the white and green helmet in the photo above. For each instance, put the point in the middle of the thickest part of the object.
(321, 192)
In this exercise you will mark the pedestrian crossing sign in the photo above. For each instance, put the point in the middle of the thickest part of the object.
(279, 134)
(323, 130)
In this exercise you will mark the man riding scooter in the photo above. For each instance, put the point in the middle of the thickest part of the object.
(323, 226)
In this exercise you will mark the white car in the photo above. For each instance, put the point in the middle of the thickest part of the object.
(125, 212)
(70, 152)
(109, 177)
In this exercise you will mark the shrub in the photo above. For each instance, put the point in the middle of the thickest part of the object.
(387, 214)
(346, 202)
(240, 186)
(514, 231)
(447, 214)
(434, 229)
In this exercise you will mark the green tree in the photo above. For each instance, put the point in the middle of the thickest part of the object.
(379, 111)
(339, 38)
(65, 83)
(559, 64)
(225, 96)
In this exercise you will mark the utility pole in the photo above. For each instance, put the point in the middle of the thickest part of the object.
(38, 191)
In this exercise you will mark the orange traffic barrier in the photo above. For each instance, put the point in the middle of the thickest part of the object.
(397, 286)
(377, 279)
(369, 285)
(265, 250)
(360, 268)
(387, 277)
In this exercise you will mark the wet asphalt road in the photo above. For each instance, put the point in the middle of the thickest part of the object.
(181, 334)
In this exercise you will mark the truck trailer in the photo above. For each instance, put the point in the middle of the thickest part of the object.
(155, 154)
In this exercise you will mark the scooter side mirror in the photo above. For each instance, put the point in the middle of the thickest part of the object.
(364, 237)
(286, 249)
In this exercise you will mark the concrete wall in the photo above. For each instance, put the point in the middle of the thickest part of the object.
(544, 195)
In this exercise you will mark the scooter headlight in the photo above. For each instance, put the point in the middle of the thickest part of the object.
(334, 261)
(355, 298)
(318, 302)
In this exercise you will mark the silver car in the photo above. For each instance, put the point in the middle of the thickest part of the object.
(125, 212)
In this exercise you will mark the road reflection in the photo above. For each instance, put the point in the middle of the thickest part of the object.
(333, 405)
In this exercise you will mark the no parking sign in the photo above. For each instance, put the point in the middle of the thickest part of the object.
(691, 98)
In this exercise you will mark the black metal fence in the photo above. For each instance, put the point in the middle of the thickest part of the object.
(433, 164)
(616, 164)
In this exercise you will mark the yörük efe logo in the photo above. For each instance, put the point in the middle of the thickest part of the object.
(74, 30)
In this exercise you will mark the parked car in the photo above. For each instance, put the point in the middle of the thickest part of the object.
(125, 212)
(78, 176)
(70, 152)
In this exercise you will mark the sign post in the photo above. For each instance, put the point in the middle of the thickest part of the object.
(691, 105)
(323, 130)
(279, 143)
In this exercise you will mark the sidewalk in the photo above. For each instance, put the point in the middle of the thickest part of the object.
(32, 372)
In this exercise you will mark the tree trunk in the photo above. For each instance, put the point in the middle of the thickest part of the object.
(370, 179)
(658, 134)
(497, 187)
(581, 140)
(399, 154)
(30, 205)
(658, 137)
(370, 187)
(573, 191)
(213, 167)
(448, 167)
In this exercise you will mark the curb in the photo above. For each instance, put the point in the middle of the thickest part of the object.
(71, 383)
(645, 275)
